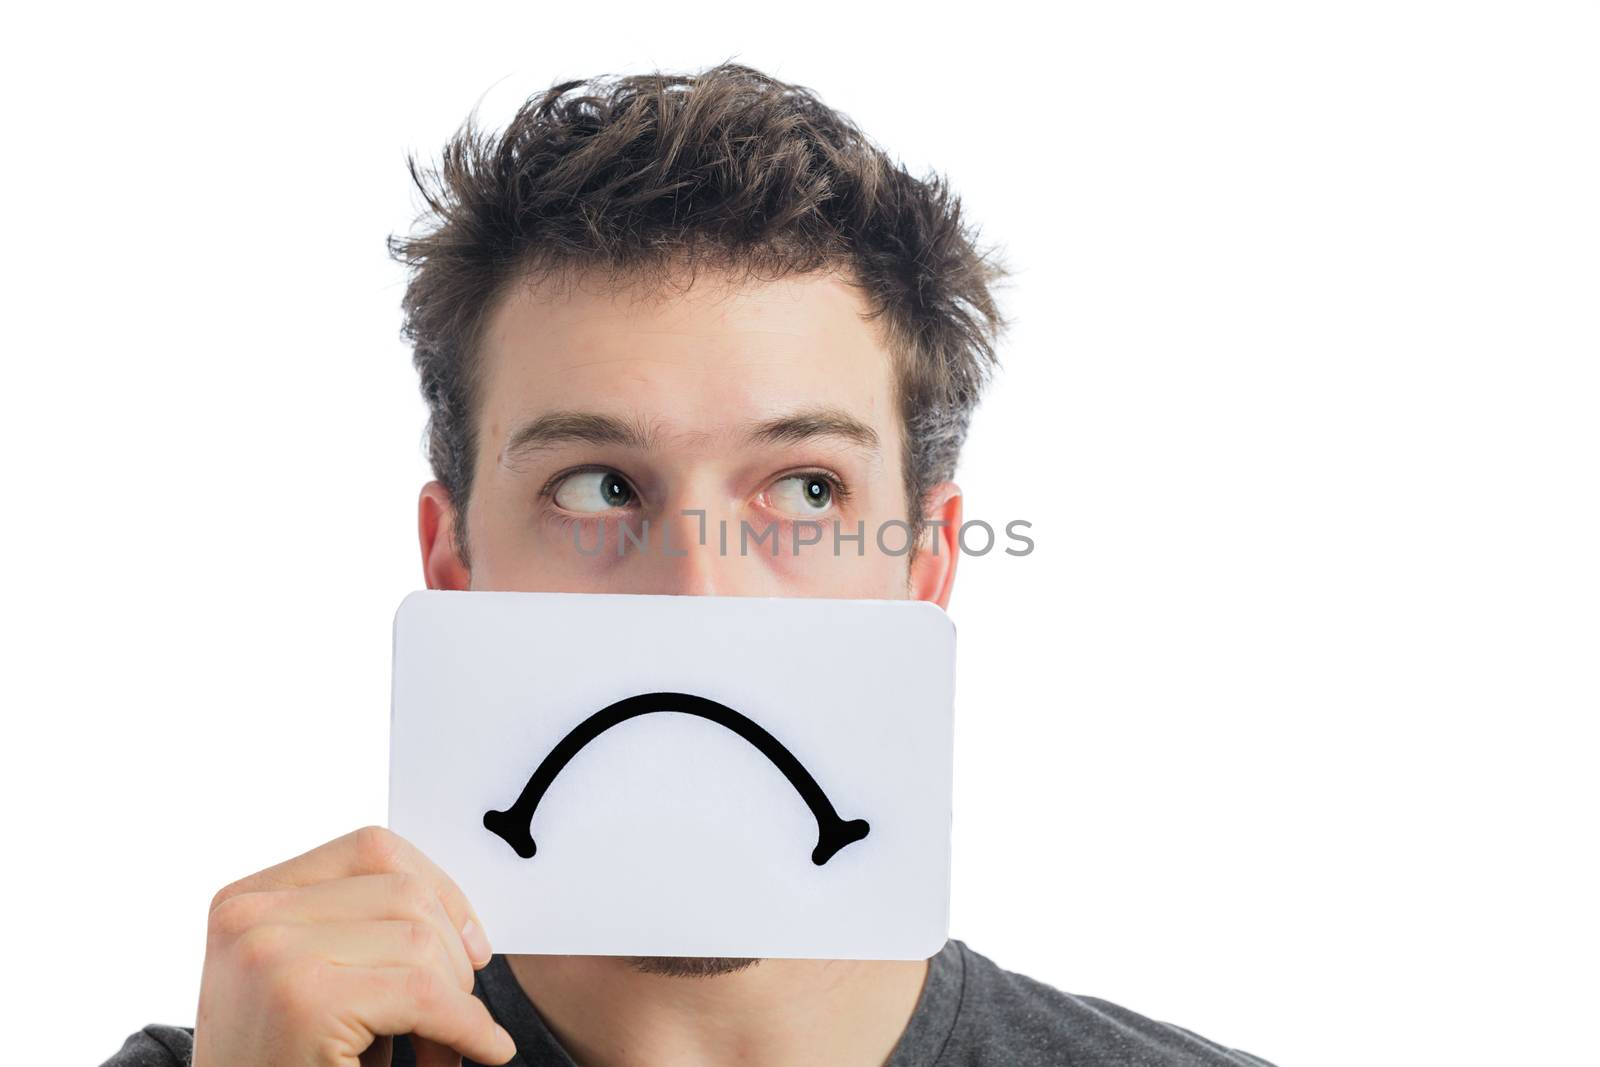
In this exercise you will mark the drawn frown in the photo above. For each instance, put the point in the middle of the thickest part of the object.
(515, 824)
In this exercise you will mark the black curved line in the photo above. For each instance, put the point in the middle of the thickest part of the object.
(515, 824)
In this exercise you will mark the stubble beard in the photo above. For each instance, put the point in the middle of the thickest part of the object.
(690, 966)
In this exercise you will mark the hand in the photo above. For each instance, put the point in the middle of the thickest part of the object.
(318, 959)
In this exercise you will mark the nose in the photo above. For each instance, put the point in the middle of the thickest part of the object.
(684, 559)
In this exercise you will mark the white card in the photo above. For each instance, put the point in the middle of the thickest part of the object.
(620, 774)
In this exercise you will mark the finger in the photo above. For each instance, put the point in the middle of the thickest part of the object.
(365, 897)
(371, 850)
(368, 944)
(421, 1002)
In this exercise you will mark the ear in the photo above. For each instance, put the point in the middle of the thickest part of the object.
(442, 567)
(933, 569)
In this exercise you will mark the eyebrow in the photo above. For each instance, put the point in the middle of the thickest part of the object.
(576, 427)
(814, 423)
(591, 428)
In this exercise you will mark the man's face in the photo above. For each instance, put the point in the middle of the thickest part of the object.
(767, 407)
(609, 423)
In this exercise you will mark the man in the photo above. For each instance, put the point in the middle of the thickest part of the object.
(659, 306)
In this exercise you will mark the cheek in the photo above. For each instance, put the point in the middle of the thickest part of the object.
(516, 550)
(847, 570)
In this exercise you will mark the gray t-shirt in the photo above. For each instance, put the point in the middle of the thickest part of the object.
(971, 1013)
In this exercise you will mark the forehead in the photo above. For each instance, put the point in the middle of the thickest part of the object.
(698, 362)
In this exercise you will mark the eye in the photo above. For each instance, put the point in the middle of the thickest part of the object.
(801, 494)
(593, 490)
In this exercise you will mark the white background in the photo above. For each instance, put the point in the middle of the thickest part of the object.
(1286, 731)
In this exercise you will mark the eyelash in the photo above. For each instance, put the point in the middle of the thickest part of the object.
(837, 490)
(547, 491)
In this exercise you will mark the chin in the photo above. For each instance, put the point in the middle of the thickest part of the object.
(690, 966)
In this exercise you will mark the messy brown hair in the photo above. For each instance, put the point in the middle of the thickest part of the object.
(636, 178)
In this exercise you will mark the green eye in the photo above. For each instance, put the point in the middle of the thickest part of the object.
(592, 491)
(799, 494)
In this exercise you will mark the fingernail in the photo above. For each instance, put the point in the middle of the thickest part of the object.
(477, 943)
